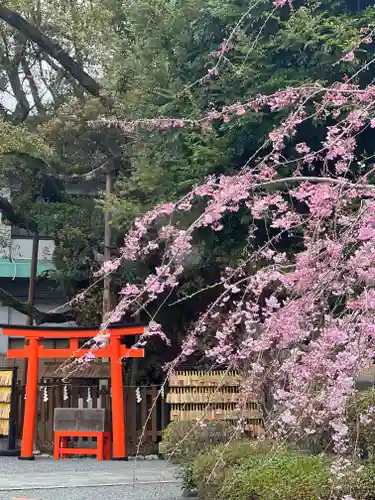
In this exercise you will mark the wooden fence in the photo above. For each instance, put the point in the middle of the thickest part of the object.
(146, 416)
(213, 395)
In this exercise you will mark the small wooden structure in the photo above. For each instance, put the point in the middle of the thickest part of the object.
(81, 423)
(33, 351)
(144, 420)
(8, 379)
(196, 395)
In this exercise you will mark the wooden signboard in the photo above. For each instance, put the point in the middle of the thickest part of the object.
(196, 395)
(8, 378)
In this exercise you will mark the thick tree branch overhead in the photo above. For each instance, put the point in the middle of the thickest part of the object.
(29, 310)
(16, 219)
(51, 48)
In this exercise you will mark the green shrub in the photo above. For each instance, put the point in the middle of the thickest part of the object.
(362, 484)
(186, 473)
(279, 476)
(361, 434)
(314, 444)
(245, 470)
(183, 441)
(210, 469)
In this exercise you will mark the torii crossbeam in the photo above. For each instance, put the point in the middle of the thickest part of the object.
(35, 351)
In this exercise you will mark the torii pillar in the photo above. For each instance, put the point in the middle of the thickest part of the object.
(35, 351)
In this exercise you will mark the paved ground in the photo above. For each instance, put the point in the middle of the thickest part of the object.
(87, 479)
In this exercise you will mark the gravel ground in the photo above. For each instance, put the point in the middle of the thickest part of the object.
(11, 465)
(142, 492)
(86, 478)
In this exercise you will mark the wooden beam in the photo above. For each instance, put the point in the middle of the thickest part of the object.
(106, 352)
(55, 333)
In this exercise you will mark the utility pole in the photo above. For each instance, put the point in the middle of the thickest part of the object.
(31, 294)
(107, 245)
(33, 272)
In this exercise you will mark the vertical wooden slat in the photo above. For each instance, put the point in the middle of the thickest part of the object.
(84, 393)
(22, 406)
(108, 403)
(144, 414)
(58, 403)
(104, 400)
(20, 409)
(51, 407)
(42, 409)
(131, 422)
(154, 406)
(74, 397)
(17, 409)
(128, 418)
(94, 395)
(59, 395)
(163, 413)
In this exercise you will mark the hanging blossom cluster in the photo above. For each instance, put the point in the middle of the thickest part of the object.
(282, 3)
(334, 102)
(298, 322)
(366, 39)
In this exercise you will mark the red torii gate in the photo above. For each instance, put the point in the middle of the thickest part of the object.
(35, 351)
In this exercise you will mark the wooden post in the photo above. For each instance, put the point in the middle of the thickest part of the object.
(118, 416)
(31, 294)
(107, 246)
(31, 401)
(33, 273)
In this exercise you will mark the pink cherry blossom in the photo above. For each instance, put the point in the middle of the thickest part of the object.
(302, 148)
(350, 56)
(274, 308)
(281, 3)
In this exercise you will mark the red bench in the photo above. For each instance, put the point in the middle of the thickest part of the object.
(102, 450)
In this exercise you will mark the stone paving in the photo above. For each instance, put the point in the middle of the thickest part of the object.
(87, 479)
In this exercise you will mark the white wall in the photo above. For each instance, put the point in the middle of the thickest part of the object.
(12, 317)
(21, 248)
(4, 319)
(16, 318)
(87, 188)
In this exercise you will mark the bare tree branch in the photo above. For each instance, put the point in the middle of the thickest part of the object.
(62, 73)
(14, 218)
(29, 310)
(95, 173)
(33, 87)
(11, 66)
(51, 48)
(317, 180)
(22, 109)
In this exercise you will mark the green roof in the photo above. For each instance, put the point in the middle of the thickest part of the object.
(20, 268)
